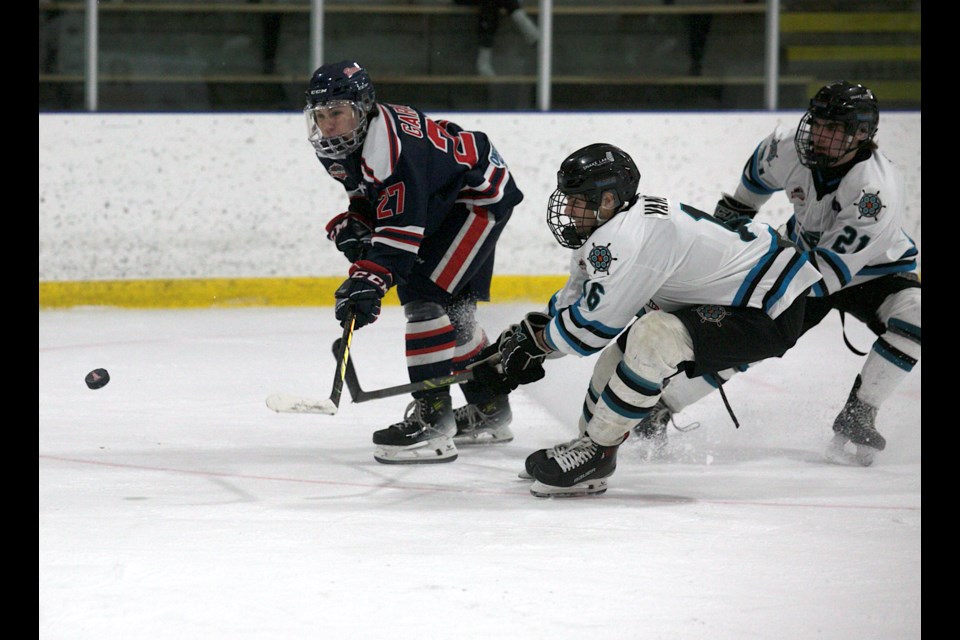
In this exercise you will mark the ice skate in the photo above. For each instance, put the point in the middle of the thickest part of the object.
(484, 423)
(542, 455)
(581, 469)
(423, 437)
(855, 424)
(652, 430)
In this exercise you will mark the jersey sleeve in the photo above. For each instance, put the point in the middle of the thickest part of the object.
(765, 171)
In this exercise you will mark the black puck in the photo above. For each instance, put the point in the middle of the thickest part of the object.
(97, 378)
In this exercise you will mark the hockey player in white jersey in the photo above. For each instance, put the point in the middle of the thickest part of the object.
(658, 287)
(848, 211)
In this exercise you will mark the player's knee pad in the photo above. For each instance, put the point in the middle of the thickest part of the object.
(656, 345)
(422, 310)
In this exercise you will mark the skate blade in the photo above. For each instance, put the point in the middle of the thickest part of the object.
(837, 453)
(481, 439)
(434, 451)
(587, 488)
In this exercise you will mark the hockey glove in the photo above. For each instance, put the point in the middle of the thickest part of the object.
(521, 355)
(351, 233)
(488, 373)
(733, 213)
(362, 291)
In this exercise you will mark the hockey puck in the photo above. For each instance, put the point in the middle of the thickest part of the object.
(97, 378)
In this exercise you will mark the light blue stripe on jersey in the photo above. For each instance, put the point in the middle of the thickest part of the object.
(758, 270)
(889, 268)
(751, 177)
(598, 330)
(785, 285)
(839, 266)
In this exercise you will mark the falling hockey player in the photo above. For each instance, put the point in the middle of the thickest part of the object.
(427, 203)
(708, 297)
(848, 208)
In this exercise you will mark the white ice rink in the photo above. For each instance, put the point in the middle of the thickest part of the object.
(174, 505)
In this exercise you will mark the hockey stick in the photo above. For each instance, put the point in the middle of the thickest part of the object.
(359, 395)
(282, 403)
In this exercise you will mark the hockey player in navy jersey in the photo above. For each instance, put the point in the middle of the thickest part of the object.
(427, 203)
(848, 210)
(658, 287)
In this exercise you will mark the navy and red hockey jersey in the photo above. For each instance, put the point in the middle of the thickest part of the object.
(411, 173)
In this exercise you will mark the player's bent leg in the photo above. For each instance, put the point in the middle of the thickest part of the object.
(425, 435)
(654, 347)
(485, 418)
(891, 359)
(602, 371)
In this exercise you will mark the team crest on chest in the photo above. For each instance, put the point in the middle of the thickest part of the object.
(797, 195)
(712, 313)
(870, 205)
(600, 258)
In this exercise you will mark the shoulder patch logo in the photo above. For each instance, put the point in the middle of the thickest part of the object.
(870, 205)
(712, 313)
(601, 258)
(772, 149)
(337, 171)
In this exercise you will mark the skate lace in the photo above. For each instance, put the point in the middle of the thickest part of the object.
(468, 416)
(663, 415)
(576, 453)
(413, 416)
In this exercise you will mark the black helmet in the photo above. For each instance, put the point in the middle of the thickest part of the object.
(587, 173)
(853, 111)
(342, 84)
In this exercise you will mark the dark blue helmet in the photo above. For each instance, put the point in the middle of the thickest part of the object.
(587, 174)
(339, 90)
(846, 116)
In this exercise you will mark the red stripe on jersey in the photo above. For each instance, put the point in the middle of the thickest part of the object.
(463, 250)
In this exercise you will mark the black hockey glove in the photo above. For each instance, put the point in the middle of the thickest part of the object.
(488, 373)
(351, 233)
(521, 356)
(733, 213)
(362, 291)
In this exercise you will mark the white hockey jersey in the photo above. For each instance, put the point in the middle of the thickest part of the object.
(672, 256)
(852, 229)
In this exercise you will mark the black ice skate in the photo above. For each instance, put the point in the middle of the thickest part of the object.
(856, 424)
(652, 430)
(540, 456)
(424, 436)
(580, 469)
(484, 423)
